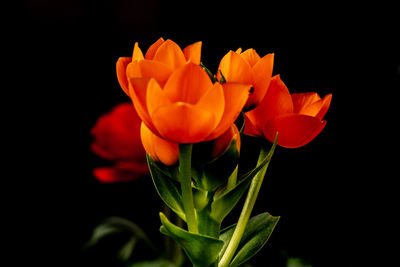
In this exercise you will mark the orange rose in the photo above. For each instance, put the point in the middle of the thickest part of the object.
(297, 118)
(249, 68)
(160, 60)
(189, 108)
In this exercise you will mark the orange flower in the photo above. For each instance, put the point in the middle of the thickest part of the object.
(160, 60)
(297, 118)
(189, 108)
(249, 68)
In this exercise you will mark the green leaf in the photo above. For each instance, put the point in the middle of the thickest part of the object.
(126, 251)
(155, 263)
(226, 200)
(296, 262)
(100, 232)
(201, 250)
(207, 224)
(201, 198)
(258, 230)
(166, 188)
(115, 224)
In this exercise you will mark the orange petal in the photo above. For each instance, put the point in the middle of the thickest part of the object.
(137, 53)
(153, 49)
(303, 100)
(155, 97)
(262, 70)
(277, 101)
(326, 102)
(138, 92)
(251, 56)
(193, 53)
(187, 84)
(170, 54)
(214, 101)
(235, 69)
(122, 64)
(250, 126)
(183, 123)
(236, 95)
(158, 148)
(294, 130)
(311, 104)
(148, 69)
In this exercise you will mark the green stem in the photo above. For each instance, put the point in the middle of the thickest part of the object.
(246, 212)
(185, 168)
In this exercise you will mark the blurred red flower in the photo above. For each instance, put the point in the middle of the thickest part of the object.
(117, 138)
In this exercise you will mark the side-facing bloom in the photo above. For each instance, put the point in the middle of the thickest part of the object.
(117, 138)
(189, 108)
(296, 117)
(249, 68)
(160, 60)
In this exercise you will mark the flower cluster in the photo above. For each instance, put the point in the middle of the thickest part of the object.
(189, 122)
(178, 102)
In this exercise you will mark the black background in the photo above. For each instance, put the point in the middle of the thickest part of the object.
(330, 194)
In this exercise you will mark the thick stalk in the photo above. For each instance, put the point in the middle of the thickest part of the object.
(185, 169)
(246, 212)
